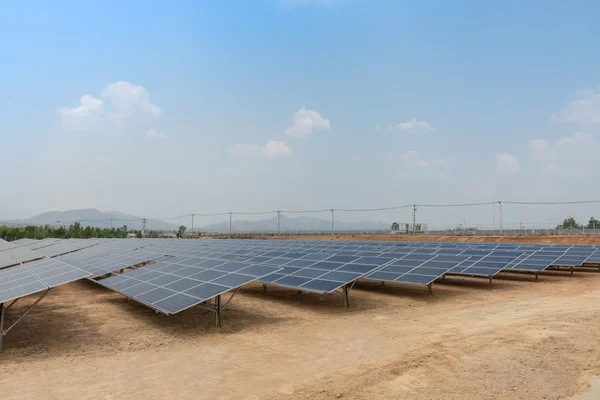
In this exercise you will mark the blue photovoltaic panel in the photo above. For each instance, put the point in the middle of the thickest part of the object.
(416, 269)
(172, 288)
(18, 281)
(488, 265)
(54, 273)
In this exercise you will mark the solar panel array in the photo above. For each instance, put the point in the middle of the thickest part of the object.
(185, 270)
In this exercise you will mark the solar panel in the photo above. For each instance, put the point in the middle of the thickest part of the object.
(16, 255)
(4, 245)
(54, 273)
(171, 288)
(417, 268)
(67, 246)
(23, 242)
(18, 281)
(323, 272)
(487, 265)
(538, 261)
(574, 258)
(38, 244)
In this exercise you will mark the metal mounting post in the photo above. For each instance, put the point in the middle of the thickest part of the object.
(264, 287)
(537, 275)
(218, 311)
(382, 284)
(490, 278)
(572, 270)
(429, 289)
(346, 297)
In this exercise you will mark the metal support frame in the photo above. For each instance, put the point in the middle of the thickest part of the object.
(4, 332)
(490, 278)
(217, 308)
(218, 311)
(264, 287)
(429, 289)
(228, 300)
(345, 296)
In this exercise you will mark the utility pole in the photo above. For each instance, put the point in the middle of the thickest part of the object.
(494, 211)
(144, 227)
(230, 222)
(332, 223)
(500, 204)
(192, 223)
(278, 222)
(415, 208)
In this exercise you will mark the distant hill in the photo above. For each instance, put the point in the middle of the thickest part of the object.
(94, 218)
(297, 224)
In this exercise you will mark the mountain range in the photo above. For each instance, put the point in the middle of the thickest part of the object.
(297, 224)
(101, 219)
(92, 217)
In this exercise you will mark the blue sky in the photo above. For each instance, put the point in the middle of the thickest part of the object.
(208, 106)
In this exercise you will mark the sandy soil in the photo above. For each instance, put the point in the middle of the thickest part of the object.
(516, 339)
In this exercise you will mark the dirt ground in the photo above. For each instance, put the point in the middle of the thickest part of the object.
(516, 339)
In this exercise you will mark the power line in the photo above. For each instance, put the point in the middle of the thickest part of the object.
(551, 202)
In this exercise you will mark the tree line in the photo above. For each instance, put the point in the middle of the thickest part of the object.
(75, 231)
(571, 222)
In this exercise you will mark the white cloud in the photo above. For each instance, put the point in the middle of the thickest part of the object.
(305, 121)
(377, 127)
(276, 148)
(89, 105)
(506, 164)
(415, 126)
(585, 109)
(129, 98)
(273, 148)
(122, 104)
(569, 155)
(153, 133)
(412, 127)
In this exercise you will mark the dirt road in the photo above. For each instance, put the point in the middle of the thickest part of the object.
(517, 339)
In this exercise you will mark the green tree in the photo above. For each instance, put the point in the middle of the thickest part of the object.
(181, 231)
(569, 223)
(593, 223)
(395, 226)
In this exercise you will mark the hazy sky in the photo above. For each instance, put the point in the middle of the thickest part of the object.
(165, 108)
